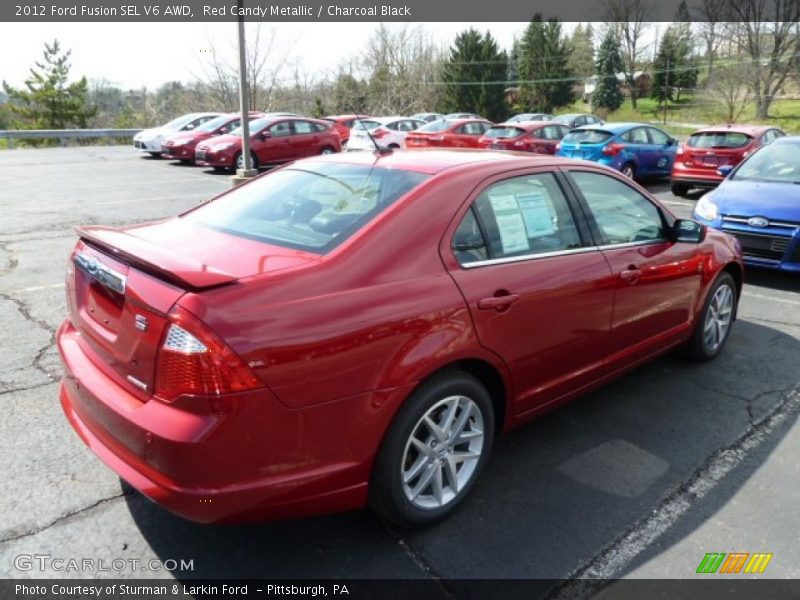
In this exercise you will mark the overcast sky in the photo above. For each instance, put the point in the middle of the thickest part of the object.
(132, 55)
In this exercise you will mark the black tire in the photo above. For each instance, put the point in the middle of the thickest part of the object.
(679, 189)
(187, 161)
(155, 154)
(698, 347)
(219, 169)
(394, 146)
(629, 167)
(327, 150)
(253, 161)
(386, 493)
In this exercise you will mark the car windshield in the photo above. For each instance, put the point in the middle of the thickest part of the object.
(310, 206)
(255, 126)
(775, 163)
(719, 139)
(435, 126)
(504, 132)
(213, 124)
(180, 122)
(587, 136)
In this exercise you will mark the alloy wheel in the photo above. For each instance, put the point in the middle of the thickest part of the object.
(718, 318)
(442, 453)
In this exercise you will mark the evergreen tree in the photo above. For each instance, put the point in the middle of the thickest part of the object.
(581, 45)
(544, 66)
(319, 108)
(474, 75)
(674, 67)
(609, 62)
(48, 100)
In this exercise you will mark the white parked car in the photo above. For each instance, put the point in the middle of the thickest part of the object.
(388, 132)
(428, 117)
(150, 140)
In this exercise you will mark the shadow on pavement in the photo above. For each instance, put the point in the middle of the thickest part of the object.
(556, 492)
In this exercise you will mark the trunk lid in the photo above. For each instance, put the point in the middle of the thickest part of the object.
(710, 149)
(122, 283)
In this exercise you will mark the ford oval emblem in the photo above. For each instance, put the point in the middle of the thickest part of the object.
(757, 222)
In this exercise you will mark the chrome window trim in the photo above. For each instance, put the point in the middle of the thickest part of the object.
(632, 244)
(526, 257)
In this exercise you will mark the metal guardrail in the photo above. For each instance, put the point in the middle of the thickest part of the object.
(63, 134)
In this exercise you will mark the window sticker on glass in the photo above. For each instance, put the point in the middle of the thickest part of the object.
(536, 214)
(510, 224)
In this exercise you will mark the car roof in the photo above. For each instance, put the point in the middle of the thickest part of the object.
(390, 119)
(343, 117)
(616, 127)
(752, 130)
(432, 161)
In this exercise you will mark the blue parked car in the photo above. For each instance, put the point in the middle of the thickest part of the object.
(758, 202)
(634, 149)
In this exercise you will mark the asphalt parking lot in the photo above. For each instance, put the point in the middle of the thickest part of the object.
(638, 479)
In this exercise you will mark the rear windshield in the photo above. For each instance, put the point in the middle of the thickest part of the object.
(587, 136)
(435, 126)
(365, 124)
(312, 207)
(504, 132)
(719, 139)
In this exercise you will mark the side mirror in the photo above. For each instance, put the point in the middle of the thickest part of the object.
(189, 127)
(687, 231)
(672, 142)
(265, 135)
(725, 170)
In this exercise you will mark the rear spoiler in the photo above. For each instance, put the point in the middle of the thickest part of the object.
(154, 260)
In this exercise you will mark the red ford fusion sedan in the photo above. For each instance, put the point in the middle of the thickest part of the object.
(181, 146)
(540, 137)
(356, 329)
(273, 140)
(446, 133)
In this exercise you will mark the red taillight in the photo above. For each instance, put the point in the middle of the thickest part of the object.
(612, 149)
(193, 360)
(379, 133)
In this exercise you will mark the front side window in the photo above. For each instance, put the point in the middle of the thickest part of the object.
(314, 208)
(281, 129)
(658, 137)
(621, 213)
(522, 216)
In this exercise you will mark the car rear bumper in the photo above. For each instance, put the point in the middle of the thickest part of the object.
(243, 457)
(695, 177)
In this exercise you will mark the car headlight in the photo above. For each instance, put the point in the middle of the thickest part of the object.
(706, 208)
(221, 147)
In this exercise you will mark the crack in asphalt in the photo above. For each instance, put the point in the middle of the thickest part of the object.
(25, 311)
(65, 517)
(13, 261)
(589, 578)
(419, 559)
(25, 389)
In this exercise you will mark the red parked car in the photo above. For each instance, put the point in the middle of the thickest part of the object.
(272, 140)
(697, 160)
(343, 124)
(356, 329)
(450, 133)
(540, 137)
(181, 146)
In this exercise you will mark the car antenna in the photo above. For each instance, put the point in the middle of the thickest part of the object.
(378, 150)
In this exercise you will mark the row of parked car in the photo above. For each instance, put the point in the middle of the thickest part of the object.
(637, 150)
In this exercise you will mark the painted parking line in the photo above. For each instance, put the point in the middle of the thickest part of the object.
(36, 288)
(750, 294)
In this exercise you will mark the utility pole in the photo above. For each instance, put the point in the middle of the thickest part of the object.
(666, 90)
(247, 171)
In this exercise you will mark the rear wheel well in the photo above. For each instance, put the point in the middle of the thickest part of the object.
(491, 380)
(738, 277)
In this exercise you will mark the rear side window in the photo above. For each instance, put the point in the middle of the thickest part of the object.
(587, 136)
(620, 212)
(303, 127)
(314, 209)
(520, 216)
(636, 136)
(718, 139)
(504, 132)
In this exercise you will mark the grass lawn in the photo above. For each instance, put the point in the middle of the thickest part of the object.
(783, 113)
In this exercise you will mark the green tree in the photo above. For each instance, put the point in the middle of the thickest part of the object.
(674, 68)
(581, 45)
(349, 95)
(48, 100)
(319, 110)
(475, 76)
(544, 66)
(609, 62)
